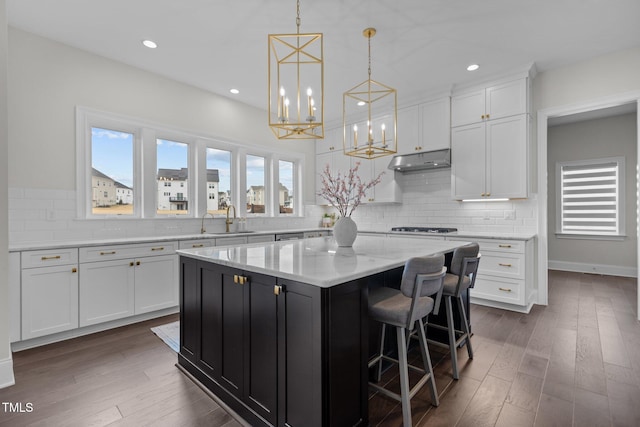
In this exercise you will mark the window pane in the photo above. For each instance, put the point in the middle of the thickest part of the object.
(255, 185)
(218, 180)
(173, 174)
(286, 191)
(111, 172)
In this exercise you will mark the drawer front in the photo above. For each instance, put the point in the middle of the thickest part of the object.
(112, 252)
(502, 264)
(509, 246)
(229, 241)
(196, 243)
(49, 257)
(496, 289)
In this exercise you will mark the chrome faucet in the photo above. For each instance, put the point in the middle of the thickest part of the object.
(202, 229)
(229, 221)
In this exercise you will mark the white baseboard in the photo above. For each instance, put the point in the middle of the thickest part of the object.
(579, 267)
(6, 373)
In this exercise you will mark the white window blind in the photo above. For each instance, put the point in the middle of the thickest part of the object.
(590, 197)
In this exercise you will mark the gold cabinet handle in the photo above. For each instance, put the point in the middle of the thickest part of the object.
(504, 246)
(131, 264)
(74, 270)
(235, 278)
(108, 253)
(277, 289)
(505, 289)
(46, 258)
(241, 280)
(138, 263)
(197, 246)
(504, 265)
(488, 194)
(161, 248)
(487, 116)
(482, 116)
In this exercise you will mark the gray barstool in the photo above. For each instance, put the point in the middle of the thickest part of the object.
(461, 276)
(404, 309)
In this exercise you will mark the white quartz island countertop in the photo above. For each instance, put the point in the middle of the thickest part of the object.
(319, 261)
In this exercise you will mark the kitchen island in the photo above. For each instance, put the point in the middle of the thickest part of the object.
(278, 331)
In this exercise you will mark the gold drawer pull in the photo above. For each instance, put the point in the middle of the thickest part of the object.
(505, 289)
(45, 258)
(197, 246)
(504, 246)
(504, 265)
(131, 264)
(108, 253)
(161, 248)
(277, 289)
(240, 279)
(74, 270)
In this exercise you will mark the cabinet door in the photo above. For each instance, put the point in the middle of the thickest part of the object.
(261, 346)
(507, 157)
(156, 283)
(468, 161)
(300, 393)
(49, 300)
(233, 332)
(436, 125)
(190, 309)
(507, 99)
(388, 191)
(230, 241)
(409, 140)
(106, 291)
(468, 108)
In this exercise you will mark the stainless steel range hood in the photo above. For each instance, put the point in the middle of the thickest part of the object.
(421, 161)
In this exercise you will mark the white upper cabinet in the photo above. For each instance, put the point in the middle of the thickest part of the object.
(333, 156)
(425, 127)
(388, 190)
(495, 102)
(489, 160)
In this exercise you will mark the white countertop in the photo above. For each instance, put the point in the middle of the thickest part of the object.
(319, 261)
(149, 239)
(466, 234)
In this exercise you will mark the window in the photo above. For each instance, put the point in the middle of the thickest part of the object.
(590, 197)
(286, 191)
(256, 192)
(172, 161)
(133, 168)
(218, 180)
(112, 163)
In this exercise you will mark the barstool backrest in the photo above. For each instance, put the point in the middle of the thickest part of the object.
(422, 266)
(459, 254)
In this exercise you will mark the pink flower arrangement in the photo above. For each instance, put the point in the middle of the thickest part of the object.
(345, 192)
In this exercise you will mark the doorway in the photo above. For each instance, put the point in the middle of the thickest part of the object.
(595, 109)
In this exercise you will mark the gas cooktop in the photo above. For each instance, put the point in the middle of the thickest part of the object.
(425, 229)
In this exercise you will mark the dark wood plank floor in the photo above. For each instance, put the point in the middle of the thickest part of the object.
(575, 362)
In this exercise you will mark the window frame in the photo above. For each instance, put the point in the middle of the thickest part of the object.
(620, 232)
(145, 186)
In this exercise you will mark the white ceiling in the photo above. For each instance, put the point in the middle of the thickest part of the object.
(422, 46)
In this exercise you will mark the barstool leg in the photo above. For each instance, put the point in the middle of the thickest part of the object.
(451, 327)
(382, 336)
(404, 377)
(426, 360)
(465, 326)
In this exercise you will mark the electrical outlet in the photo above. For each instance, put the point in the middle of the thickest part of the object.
(510, 214)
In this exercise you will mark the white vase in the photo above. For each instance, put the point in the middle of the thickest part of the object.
(345, 231)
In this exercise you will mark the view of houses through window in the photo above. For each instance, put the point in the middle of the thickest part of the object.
(111, 172)
(116, 166)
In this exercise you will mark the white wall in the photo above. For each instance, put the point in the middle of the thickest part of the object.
(592, 139)
(47, 80)
(6, 364)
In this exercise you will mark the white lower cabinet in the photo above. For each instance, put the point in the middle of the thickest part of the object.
(505, 276)
(14, 297)
(133, 279)
(49, 296)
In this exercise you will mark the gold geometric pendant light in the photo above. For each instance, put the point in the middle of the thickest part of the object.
(296, 84)
(369, 116)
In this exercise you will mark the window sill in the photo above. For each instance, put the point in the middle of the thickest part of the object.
(619, 237)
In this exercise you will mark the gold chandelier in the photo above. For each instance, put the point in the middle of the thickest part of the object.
(296, 84)
(370, 108)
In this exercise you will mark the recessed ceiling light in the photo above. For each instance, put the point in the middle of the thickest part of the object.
(234, 91)
(473, 67)
(361, 103)
(150, 44)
